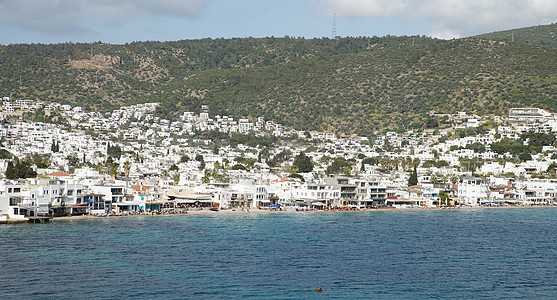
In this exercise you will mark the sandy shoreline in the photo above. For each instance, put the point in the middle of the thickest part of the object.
(265, 212)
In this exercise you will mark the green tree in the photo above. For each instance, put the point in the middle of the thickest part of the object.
(55, 147)
(184, 158)
(303, 163)
(5, 154)
(11, 172)
(443, 199)
(113, 151)
(207, 177)
(238, 167)
(296, 175)
(176, 178)
(525, 156)
(127, 168)
(339, 165)
(201, 160)
(73, 160)
(413, 179)
(20, 169)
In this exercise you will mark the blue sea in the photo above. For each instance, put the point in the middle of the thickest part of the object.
(489, 253)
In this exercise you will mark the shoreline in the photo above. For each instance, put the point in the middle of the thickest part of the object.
(265, 212)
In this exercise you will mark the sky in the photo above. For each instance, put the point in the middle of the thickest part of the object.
(123, 21)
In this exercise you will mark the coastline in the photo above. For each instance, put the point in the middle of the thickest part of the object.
(269, 212)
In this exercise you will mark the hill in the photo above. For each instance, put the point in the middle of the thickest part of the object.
(543, 35)
(350, 85)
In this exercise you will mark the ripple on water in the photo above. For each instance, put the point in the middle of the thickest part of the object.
(429, 254)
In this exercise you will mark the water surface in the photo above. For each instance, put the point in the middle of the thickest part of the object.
(356, 255)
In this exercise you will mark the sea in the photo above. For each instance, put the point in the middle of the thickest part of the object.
(419, 254)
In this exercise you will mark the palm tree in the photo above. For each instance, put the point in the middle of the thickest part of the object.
(127, 167)
(113, 169)
(176, 178)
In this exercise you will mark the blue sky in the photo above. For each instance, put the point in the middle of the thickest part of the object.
(121, 21)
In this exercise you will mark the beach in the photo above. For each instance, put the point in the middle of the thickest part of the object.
(272, 212)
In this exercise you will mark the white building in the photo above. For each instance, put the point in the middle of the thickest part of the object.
(472, 191)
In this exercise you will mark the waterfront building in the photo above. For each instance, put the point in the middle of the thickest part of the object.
(472, 191)
(370, 193)
(118, 197)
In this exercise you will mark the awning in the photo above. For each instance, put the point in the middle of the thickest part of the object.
(124, 204)
(188, 201)
(189, 195)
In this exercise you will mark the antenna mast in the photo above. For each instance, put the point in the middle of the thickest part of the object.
(334, 26)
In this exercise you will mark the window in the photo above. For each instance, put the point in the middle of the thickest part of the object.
(70, 192)
(116, 191)
(15, 201)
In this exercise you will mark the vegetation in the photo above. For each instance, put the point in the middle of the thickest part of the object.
(340, 165)
(113, 151)
(5, 154)
(278, 159)
(534, 144)
(303, 163)
(537, 35)
(413, 179)
(201, 160)
(19, 169)
(55, 147)
(349, 85)
(297, 176)
(184, 158)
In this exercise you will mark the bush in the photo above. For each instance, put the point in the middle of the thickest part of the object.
(239, 167)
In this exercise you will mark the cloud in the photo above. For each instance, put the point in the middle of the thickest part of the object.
(451, 18)
(80, 16)
(174, 8)
(362, 8)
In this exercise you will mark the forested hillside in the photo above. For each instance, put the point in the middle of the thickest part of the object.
(349, 85)
(544, 35)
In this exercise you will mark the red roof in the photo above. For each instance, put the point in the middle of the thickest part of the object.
(141, 188)
(58, 174)
(283, 179)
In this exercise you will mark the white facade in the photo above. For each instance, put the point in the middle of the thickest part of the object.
(472, 191)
